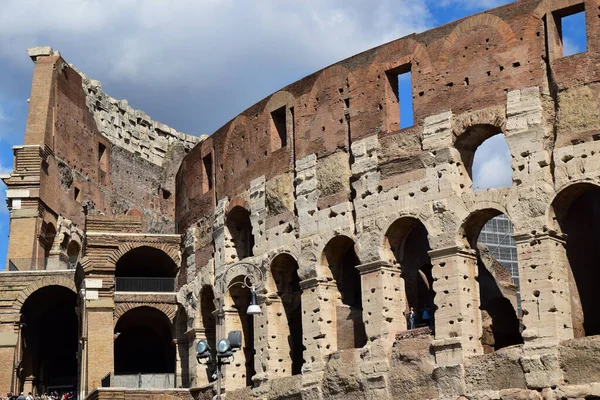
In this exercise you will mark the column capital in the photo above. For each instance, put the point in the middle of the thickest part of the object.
(377, 266)
(451, 251)
(521, 238)
(312, 282)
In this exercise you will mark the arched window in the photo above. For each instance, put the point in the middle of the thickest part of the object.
(339, 255)
(240, 229)
(577, 211)
(409, 245)
(73, 254)
(490, 234)
(485, 156)
(284, 270)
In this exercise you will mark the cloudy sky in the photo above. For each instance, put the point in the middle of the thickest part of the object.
(196, 64)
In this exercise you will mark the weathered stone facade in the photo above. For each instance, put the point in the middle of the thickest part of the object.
(352, 220)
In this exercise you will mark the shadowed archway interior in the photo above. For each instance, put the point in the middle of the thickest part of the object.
(144, 342)
(50, 339)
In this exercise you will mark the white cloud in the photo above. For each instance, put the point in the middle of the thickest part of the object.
(491, 164)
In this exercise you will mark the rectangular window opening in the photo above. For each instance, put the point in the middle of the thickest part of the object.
(77, 194)
(279, 128)
(400, 80)
(102, 156)
(571, 29)
(207, 177)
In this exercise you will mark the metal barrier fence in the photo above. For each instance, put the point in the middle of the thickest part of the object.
(143, 381)
(143, 284)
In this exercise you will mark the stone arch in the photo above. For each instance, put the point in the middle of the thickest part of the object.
(407, 245)
(267, 261)
(502, 27)
(402, 51)
(575, 212)
(469, 141)
(279, 99)
(498, 295)
(170, 250)
(338, 263)
(45, 281)
(169, 310)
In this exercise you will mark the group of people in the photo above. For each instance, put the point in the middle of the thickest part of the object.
(425, 319)
(46, 396)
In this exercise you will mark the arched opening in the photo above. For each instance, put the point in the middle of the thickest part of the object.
(485, 156)
(50, 338)
(577, 211)
(490, 234)
(144, 343)
(340, 256)
(208, 323)
(145, 269)
(240, 229)
(409, 244)
(73, 254)
(48, 239)
(284, 270)
(243, 368)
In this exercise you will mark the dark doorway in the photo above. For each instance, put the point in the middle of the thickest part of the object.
(284, 269)
(144, 343)
(581, 222)
(50, 339)
(342, 260)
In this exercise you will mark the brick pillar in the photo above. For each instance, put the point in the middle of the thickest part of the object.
(457, 317)
(383, 300)
(319, 298)
(100, 340)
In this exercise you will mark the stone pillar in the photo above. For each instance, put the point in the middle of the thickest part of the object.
(319, 299)
(383, 300)
(546, 304)
(273, 347)
(457, 317)
(198, 372)
(235, 373)
(544, 283)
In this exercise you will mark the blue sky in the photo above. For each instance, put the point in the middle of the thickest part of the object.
(196, 64)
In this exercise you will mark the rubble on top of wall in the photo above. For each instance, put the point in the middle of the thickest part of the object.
(132, 129)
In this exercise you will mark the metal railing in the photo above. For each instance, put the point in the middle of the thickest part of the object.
(143, 381)
(144, 284)
(40, 264)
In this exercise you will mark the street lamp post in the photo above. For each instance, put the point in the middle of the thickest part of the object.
(253, 279)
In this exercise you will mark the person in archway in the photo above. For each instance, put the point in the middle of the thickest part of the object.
(412, 319)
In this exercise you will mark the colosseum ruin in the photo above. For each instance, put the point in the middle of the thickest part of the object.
(126, 235)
